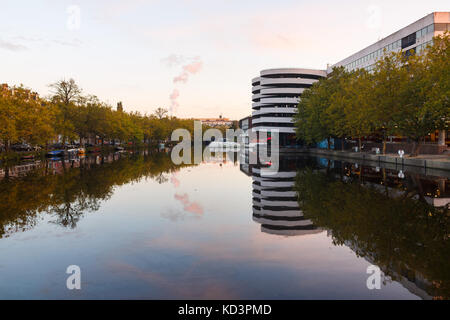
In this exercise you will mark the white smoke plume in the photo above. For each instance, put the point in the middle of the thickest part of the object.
(174, 100)
(187, 70)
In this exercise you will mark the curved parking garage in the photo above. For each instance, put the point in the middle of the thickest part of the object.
(275, 95)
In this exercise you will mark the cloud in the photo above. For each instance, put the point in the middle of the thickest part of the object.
(75, 42)
(11, 46)
(70, 43)
(173, 60)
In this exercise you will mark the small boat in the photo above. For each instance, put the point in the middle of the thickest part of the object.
(120, 149)
(81, 151)
(55, 153)
(29, 157)
(94, 150)
(72, 151)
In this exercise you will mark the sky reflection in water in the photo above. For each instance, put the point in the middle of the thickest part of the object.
(139, 227)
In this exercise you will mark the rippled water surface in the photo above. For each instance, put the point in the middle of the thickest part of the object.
(140, 227)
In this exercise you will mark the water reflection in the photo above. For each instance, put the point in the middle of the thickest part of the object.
(68, 189)
(190, 232)
(275, 204)
(400, 225)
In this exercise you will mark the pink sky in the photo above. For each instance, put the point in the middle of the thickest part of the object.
(194, 56)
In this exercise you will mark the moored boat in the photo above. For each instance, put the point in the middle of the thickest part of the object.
(28, 157)
(55, 153)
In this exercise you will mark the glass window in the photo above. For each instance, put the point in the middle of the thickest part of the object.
(430, 28)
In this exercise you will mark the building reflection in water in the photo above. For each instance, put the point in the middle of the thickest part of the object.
(395, 218)
(275, 202)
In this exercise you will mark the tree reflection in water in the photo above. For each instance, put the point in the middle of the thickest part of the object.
(388, 221)
(69, 189)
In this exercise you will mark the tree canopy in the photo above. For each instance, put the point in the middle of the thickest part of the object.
(404, 94)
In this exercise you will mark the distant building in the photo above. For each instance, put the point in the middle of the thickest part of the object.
(6, 90)
(245, 124)
(216, 122)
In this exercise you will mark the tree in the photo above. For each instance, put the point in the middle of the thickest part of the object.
(315, 120)
(438, 62)
(425, 93)
(8, 132)
(161, 113)
(66, 96)
(386, 96)
(356, 89)
(66, 91)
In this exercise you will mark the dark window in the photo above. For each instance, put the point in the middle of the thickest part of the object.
(409, 40)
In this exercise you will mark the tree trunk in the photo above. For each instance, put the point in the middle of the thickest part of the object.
(328, 143)
(384, 145)
(343, 144)
(416, 148)
(359, 144)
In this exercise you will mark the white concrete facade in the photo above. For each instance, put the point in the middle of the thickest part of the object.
(276, 93)
(414, 37)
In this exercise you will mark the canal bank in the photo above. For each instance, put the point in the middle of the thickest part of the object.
(439, 162)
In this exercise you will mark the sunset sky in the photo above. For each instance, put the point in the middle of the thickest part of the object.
(194, 56)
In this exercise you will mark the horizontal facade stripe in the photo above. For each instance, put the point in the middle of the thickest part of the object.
(278, 91)
(293, 71)
(270, 110)
(280, 130)
(272, 120)
(287, 81)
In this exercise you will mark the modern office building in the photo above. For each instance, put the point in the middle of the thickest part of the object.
(411, 39)
(276, 93)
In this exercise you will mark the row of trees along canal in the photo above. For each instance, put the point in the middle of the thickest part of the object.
(67, 113)
(405, 94)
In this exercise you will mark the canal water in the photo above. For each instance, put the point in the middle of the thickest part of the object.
(140, 227)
